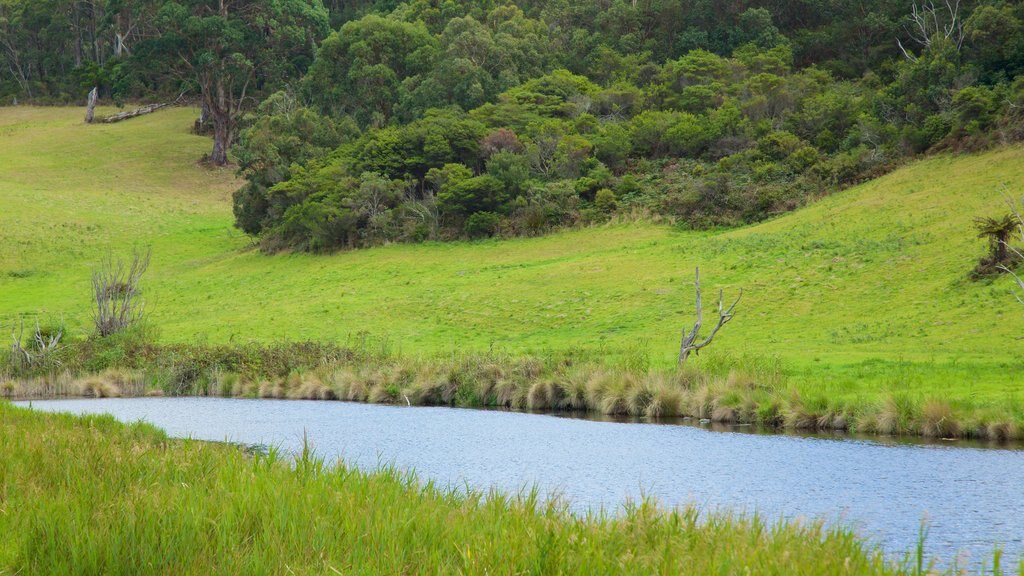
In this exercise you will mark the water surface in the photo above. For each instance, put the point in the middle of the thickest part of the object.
(972, 498)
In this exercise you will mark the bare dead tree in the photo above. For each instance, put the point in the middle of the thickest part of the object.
(117, 293)
(929, 21)
(690, 341)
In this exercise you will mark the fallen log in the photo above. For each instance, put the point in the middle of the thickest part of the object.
(149, 108)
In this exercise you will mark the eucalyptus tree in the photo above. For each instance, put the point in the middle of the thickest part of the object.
(231, 50)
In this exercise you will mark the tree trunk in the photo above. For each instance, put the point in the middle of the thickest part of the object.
(202, 124)
(221, 139)
(219, 102)
(90, 108)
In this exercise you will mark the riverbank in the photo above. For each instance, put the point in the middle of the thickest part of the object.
(728, 390)
(91, 495)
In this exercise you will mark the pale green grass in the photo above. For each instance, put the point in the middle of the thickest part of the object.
(88, 495)
(863, 293)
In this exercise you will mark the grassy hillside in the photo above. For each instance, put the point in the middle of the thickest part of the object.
(864, 291)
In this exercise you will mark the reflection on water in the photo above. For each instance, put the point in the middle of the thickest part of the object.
(972, 498)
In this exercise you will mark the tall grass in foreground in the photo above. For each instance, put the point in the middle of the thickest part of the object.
(87, 495)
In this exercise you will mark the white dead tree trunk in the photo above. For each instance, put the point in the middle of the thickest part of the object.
(690, 341)
(929, 21)
(90, 107)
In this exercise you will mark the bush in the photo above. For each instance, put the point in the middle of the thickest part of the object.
(605, 201)
(478, 194)
(482, 224)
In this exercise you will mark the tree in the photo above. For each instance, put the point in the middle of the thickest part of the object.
(365, 68)
(690, 341)
(998, 232)
(231, 48)
(282, 134)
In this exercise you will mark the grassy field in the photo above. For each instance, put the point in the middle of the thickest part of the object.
(88, 495)
(861, 295)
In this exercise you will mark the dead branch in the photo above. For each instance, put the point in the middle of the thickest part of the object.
(689, 341)
(929, 21)
(116, 293)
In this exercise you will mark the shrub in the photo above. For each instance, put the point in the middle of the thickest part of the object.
(482, 224)
(478, 194)
(605, 201)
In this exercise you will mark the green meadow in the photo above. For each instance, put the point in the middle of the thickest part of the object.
(862, 295)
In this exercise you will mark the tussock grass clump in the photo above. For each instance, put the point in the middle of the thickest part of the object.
(937, 420)
(543, 395)
(112, 384)
(91, 495)
(702, 402)
(310, 387)
(574, 383)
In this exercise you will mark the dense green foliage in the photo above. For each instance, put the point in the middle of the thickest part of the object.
(508, 119)
(91, 495)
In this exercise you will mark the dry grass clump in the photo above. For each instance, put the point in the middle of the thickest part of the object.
(639, 392)
(1003, 431)
(98, 387)
(609, 392)
(937, 420)
(311, 387)
(508, 394)
(543, 395)
(614, 403)
(995, 428)
(574, 389)
(270, 389)
(723, 413)
(346, 384)
(667, 399)
(702, 402)
(796, 416)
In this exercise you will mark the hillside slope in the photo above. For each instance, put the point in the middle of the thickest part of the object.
(866, 286)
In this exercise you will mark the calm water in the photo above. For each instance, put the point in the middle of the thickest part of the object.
(972, 498)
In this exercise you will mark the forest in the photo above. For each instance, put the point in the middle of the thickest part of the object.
(360, 123)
